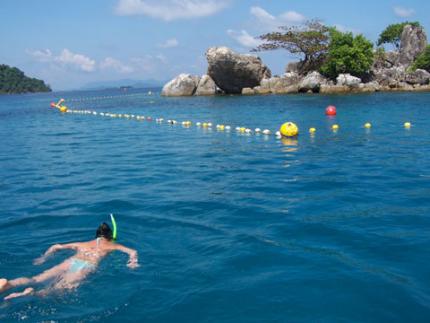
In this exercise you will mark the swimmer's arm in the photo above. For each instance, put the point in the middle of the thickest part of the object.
(53, 249)
(132, 254)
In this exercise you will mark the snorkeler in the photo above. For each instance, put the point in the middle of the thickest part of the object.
(73, 270)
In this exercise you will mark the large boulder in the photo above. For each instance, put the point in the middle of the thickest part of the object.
(232, 72)
(421, 77)
(412, 43)
(206, 86)
(390, 77)
(348, 80)
(312, 82)
(182, 85)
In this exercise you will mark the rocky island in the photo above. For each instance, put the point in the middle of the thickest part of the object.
(233, 73)
(13, 80)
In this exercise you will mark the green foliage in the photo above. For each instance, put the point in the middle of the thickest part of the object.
(347, 54)
(311, 41)
(423, 60)
(12, 80)
(380, 54)
(392, 34)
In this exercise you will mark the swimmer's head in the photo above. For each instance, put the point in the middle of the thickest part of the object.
(104, 231)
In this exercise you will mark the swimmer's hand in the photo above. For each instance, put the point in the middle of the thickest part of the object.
(39, 261)
(133, 261)
(133, 264)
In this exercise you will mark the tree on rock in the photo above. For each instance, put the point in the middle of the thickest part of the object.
(347, 54)
(393, 33)
(310, 40)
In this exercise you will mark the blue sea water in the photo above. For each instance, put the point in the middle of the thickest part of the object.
(229, 227)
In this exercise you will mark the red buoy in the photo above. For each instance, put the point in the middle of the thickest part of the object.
(331, 110)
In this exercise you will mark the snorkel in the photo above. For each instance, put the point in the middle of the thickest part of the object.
(114, 227)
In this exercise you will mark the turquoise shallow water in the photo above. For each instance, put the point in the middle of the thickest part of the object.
(229, 228)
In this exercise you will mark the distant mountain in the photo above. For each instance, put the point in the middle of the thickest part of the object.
(13, 80)
(121, 83)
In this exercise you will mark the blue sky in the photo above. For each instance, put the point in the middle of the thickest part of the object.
(71, 43)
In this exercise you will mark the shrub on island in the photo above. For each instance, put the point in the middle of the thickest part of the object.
(347, 54)
(423, 60)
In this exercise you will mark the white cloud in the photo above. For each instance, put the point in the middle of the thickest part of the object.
(292, 17)
(271, 22)
(43, 55)
(403, 12)
(262, 15)
(244, 38)
(172, 42)
(170, 9)
(77, 60)
(116, 65)
(66, 58)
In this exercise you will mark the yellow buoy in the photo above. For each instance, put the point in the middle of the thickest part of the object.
(367, 125)
(335, 127)
(289, 129)
(407, 125)
(312, 130)
(63, 108)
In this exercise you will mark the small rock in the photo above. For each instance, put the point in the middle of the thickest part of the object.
(206, 86)
(248, 91)
(182, 85)
(312, 82)
(348, 80)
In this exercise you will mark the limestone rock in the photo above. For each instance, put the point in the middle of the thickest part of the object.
(182, 85)
(369, 87)
(334, 89)
(262, 90)
(232, 72)
(421, 77)
(412, 43)
(206, 86)
(293, 67)
(312, 82)
(348, 80)
(390, 76)
(248, 91)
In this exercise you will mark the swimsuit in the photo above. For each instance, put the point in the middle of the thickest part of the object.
(76, 265)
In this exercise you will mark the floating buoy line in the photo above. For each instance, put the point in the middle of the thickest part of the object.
(287, 130)
(109, 97)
